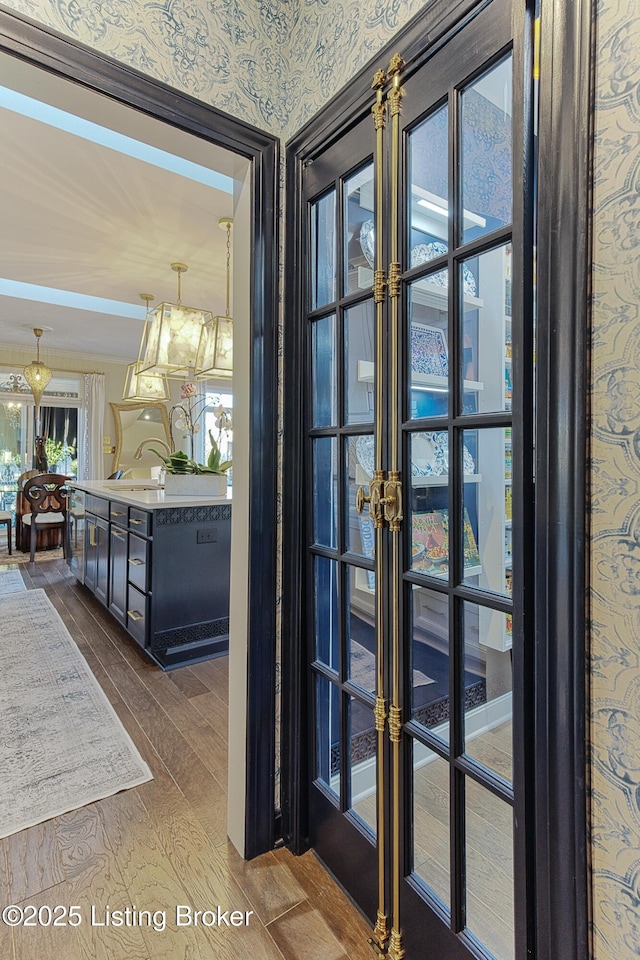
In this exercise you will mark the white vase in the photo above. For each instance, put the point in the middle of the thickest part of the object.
(195, 485)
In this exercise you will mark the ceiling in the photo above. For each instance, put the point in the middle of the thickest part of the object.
(102, 219)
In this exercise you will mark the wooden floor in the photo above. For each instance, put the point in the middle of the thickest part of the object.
(164, 843)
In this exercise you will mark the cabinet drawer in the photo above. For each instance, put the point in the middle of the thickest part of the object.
(137, 615)
(138, 562)
(119, 514)
(140, 522)
(98, 506)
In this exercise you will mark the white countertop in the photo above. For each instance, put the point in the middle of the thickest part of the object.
(143, 494)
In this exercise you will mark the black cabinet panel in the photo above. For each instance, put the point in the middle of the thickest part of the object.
(119, 514)
(98, 506)
(140, 521)
(164, 576)
(118, 573)
(138, 562)
(138, 615)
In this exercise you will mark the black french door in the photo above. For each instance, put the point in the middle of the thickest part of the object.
(419, 485)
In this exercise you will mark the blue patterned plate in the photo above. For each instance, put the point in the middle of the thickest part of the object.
(424, 252)
(367, 241)
(366, 453)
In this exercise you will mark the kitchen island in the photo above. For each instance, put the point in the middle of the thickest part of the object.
(159, 564)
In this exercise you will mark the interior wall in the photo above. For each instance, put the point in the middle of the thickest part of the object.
(114, 374)
(273, 63)
(615, 487)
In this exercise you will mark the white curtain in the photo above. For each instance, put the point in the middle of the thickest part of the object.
(92, 428)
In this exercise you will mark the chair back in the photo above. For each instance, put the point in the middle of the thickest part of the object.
(22, 479)
(46, 493)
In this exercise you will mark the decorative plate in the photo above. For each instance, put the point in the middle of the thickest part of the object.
(428, 350)
(424, 252)
(366, 453)
(423, 455)
(430, 455)
(367, 241)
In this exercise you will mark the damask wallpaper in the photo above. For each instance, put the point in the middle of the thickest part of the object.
(274, 63)
(615, 491)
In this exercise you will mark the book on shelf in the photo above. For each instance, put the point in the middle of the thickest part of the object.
(430, 542)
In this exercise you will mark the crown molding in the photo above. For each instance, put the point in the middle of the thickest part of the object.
(71, 355)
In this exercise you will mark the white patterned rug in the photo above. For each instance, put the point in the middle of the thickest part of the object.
(11, 582)
(62, 744)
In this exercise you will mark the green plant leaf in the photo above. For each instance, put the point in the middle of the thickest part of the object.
(165, 460)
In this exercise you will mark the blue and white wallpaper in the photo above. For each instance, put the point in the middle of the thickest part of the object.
(615, 487)
(274, 63)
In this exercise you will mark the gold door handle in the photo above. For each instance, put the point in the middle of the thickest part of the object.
(93, 536)
(136, 562)
(135, 615)
(374, 499)
(361, 499)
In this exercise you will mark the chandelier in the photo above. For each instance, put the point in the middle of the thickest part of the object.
(170, 338)
(144, 386)
(37, 374)
(215, 349)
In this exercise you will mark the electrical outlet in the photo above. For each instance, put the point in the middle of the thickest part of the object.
(207, 536)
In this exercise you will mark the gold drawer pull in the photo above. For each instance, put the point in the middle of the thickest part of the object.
(118, 533)
(140, 522)
(135, 615)
(117, 513)
(136, 562)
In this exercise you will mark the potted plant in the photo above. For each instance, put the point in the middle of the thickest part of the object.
(185, 477)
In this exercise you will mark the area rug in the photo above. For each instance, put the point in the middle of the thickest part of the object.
(363, 668)
(19, 557)
(62, 745)
(11, 582)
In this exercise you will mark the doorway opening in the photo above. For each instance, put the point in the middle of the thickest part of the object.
(168, 127)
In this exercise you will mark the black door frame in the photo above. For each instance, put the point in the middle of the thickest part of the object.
(45, 48)
(560, 656)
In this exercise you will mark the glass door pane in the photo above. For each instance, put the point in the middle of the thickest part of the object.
(323, 251)
(358, 227)
(11, 451)
(457, 430)
(487, 152)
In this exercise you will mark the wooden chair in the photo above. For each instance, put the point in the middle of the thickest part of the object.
(47, 496)
(22, 507)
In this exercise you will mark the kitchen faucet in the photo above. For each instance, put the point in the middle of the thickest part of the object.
(138, 454)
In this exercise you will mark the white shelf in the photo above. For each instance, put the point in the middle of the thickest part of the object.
(419, 381)
(432, 295)
(442, 480)
(362, 581)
